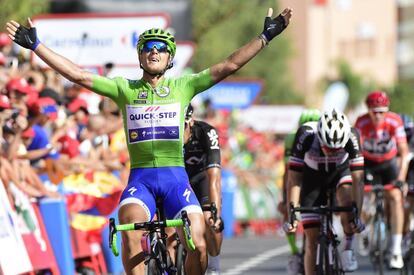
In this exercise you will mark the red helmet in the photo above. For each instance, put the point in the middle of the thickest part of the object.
(377, 99)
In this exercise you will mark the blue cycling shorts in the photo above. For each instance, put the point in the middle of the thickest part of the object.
(170, 184)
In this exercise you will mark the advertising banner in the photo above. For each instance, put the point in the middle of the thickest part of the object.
(96, 39)
(232, 94)
(13, 254)
(93, 40)
(280, 119)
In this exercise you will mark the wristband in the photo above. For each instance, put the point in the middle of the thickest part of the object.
(264, 39)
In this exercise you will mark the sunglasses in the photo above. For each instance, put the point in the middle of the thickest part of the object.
(158, 45)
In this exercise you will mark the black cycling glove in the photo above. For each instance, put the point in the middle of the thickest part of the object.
(26, 37)
(273, 27)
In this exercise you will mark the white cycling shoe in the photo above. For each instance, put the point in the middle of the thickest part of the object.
(348, 260)
(293, 266)
(396, 261)
(212, 271)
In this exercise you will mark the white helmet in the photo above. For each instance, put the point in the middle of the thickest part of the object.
(333, 129)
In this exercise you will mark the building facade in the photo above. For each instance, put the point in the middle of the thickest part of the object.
(361, 32)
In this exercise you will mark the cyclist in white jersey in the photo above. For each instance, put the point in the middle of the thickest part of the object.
(326, 154)
(153, 110)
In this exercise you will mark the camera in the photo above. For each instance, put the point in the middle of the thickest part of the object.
(15, 114)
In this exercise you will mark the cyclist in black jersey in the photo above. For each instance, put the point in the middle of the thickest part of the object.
(202, 163)
(326, 154)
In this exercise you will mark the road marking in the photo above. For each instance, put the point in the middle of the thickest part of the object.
(257, 260)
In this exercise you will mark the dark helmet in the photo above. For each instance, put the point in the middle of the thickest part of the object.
(189, 112)
(160, 35)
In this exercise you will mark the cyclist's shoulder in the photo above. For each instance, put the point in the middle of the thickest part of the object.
(306, 133)
(308, 128)
(393, 117)
(203, 125)
(204, 131)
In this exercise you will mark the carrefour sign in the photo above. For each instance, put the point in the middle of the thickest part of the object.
(96, 39)
(232, 94)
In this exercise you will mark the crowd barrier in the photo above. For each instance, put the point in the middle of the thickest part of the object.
(65, 235)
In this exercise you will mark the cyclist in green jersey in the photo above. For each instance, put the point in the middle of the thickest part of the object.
(153, 110)
(294, 263)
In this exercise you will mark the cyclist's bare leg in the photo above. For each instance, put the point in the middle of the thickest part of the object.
(214, 239)
(396, 211)
(394, 198)
(344, 196)
(132, 255)
(171, 241)
(312, 235)
(196, 262)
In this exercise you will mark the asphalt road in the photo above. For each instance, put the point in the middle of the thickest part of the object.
(260, 255)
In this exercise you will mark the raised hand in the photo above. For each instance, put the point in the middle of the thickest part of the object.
(273, 27)
(24, 36)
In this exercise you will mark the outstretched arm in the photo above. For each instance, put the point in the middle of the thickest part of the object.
(27, 38)
(272, 27)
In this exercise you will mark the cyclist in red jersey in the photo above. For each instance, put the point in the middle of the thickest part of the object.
(383, 138)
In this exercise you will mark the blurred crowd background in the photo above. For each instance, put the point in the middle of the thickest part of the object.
(62, 143)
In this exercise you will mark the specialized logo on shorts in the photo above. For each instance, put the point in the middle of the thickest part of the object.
(162, 91)
(132, 190)
(187, 194)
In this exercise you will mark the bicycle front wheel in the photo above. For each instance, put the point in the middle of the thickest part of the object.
(336, 262)
(180, 259)
(377, 251)
(153, 268)
(322, 261)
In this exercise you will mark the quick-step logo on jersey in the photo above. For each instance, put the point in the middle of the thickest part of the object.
(156, 122)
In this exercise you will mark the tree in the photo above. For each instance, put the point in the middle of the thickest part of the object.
(219, 27)
(20, 10)
(358, 86)
(402, 97)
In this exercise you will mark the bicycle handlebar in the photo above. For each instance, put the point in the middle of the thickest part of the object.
(379, 187)
(213, 209)
(150, 226)
(323, 210)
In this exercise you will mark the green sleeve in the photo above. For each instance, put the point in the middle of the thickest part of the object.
(105, 86)
(199, 82)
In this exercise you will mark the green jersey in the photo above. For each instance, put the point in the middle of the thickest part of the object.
(154, 117)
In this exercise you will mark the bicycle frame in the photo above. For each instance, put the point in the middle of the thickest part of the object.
(327, 257)
(376, 254)
(158, 252)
